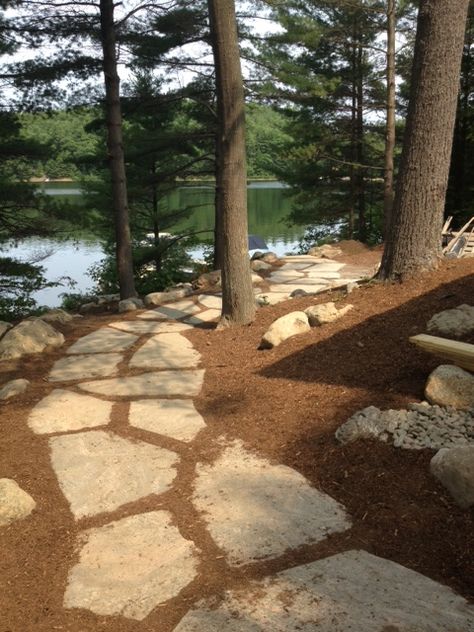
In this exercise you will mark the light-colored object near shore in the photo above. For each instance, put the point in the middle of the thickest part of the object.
(454, 468)
(325, 313)
(349, 592)
(130, 566)
(29, 336)
(449, 385)
(15, 503)
(283, 328)
(160, 298)
(13, 388)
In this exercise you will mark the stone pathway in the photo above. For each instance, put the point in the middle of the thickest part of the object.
(250, 509)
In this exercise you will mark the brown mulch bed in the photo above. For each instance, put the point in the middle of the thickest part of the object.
(285, 404)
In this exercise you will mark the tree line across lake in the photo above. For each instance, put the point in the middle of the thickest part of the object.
(327, 88)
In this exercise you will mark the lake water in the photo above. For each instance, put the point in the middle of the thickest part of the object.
(268, 205)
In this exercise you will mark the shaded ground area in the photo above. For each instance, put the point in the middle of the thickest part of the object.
(285, 404)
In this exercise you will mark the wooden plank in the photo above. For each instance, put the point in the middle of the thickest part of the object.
(459, 353)
(458, 235)
(447, 224)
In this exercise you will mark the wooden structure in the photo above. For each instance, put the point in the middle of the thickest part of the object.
(461, 243)
(459, 353)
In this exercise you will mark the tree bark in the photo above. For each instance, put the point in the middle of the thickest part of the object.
(113, 115)
(388, 193)
(414, 240)
(238, 303)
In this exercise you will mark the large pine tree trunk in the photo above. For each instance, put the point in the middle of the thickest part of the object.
(238, 304)
(113, 115)
(390, 122)
(414, 240)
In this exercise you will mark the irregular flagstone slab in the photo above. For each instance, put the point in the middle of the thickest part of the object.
(352, 591)
(103, 340)
(82, 367)
(294, 265)
(279, 278)
(312, 281)
(63, 411)
(302, 259)
(211, 301)
(166, 351)
(204, 317)
(176, 310)
(327, 266)
(141, 328)
(176, 418)
(130, 566)
(162, 384)
(255, 510)
(288, 288)
(99, 471)
(290, 273)
(323, 275)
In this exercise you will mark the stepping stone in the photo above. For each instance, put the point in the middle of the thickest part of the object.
(279, 278)
(211, 301)
(293, 265)
(162, 384)
(63, 411)
(288, 289)
(180, 309)
(342, 282)
(175, 418)
(323, 275)
(167, 351)
(99, 471)
(255, 510)
(130, 566)
(141, 328)
(328, 266)
(103, 340)
(351, 591)
(204, 317)
(289, 274)
(83, 367)
(302, 259)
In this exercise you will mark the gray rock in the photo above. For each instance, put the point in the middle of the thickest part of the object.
(325, 313)
(30, 336)
(365, 424)
(353, 285)
(269, 257)
(454, 468)
(449, 385)
(453, 322)
(260, 266)
(298, 293)
(283, 328)
(130, 305)
(15, 387)
(15, 504)
(325, 252)
(159, 298)
(105, 299)
(57, 316)
(88, 308)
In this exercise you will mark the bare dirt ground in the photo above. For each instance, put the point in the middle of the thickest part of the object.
(285, 404)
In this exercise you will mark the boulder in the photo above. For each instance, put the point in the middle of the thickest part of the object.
(269, 257)
(57, 316)
(449, 385)
(325, 313)
(283, 328)
(369, 423)
(208, 280)
(4, 327)
(106, 299)
(350, 287)
(454, 468)
(256, 278)
(160, 298)
(298, 293)
(15, 503)
(89, 308)
(260, 266)
(325, 252)
(30, 336)
(12, 388)
(453, 322)
(130, 305)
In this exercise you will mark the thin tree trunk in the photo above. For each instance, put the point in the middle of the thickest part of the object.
(353, 136)
(238, 304)
(218, 245)
(414, 240)
(115, 151)
(388, 193)
(360, 172)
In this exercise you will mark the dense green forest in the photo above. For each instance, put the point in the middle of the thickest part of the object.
(317, 102)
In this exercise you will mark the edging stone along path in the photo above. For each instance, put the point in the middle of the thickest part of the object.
(159, 497)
